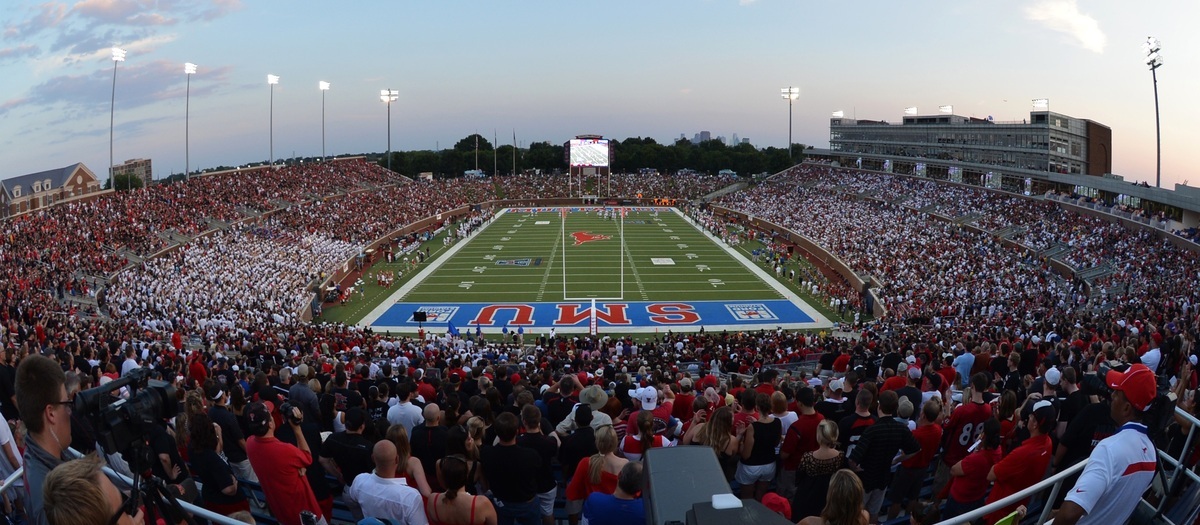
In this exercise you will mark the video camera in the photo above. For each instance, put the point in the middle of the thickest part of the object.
(122, 424)
(1159, 414)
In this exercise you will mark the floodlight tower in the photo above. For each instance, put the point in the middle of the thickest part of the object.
(118, 55)
(271, 81)
(323, 86)
(790, 93)
(189, 69)
(388, 96)
(1154, 60)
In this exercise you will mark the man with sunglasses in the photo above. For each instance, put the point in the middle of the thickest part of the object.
(46, 411)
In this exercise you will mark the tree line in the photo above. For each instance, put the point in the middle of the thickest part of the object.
(629, 156)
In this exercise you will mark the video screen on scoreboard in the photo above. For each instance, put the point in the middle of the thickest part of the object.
(589, 152)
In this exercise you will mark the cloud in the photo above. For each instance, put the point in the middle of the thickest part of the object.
(219, 9)
(111, 11)
(138, 85)
(1064, 16)
(49, 14)
(16, 53)
(746, 2)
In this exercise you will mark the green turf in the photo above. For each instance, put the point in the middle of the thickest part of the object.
(701, 270)
(593, 268)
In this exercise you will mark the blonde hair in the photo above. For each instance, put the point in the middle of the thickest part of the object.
(718, 430)
(72, 493)
(778, 403)
(398, 435)
(606, 443)
(844, 501)
(827, 433)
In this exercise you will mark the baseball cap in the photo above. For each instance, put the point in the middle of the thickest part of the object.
(1053, 376)
(905, 409)
(914, 373)
(912, 359)
(778, 504)
(1137, 383)
(1043, 411)
(258, 417)
(836, 385)
(214, 392)
(647, 395)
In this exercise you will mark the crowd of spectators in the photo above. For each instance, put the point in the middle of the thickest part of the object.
(978, 309)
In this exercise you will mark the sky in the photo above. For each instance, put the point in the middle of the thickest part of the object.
(547, 70)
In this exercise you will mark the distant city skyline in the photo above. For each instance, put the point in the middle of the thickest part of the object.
(463, 67)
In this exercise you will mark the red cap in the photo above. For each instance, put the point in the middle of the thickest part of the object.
(778, 504)
(1138, 384)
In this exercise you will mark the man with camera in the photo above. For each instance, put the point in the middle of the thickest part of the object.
(1122, 466)
(234, 445)
(281, 466)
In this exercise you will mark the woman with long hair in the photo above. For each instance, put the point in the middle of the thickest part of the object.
(460, 443)
(408, 467)
(717, 433)
(757, 466)
(635, 444)
(843, 503)
(1006, 413)
(457, 506)
(219, 486)
(969, 483)
(815, 470)
(597, 473)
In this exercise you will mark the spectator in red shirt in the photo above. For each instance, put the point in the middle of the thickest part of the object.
(969, 484)
(895, 380)
(801, 437)
(682, 409)
(842, 362)
(280, 466)
(1026, 464)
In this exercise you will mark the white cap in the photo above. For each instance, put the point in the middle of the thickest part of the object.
(1053, 376)
(912, 360)
(648, 396)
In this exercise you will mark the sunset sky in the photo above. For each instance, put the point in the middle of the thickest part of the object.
(551, 69)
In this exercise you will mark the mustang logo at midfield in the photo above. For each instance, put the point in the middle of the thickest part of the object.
(582, 237)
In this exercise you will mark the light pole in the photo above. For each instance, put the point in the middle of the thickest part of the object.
(388, 96)
(323, 86)
(189, 69)
(1154, 59)
(118, 55)
(271, 81)
(790, 93)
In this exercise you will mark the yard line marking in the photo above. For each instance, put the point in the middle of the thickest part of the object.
(550, 266)
(633, 270)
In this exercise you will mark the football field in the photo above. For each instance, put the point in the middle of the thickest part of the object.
(645, 269)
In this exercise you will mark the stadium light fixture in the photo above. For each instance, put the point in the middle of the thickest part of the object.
(946, 109)
(118, 55)
(911, 110)
(790, 93)
(1154, 60)
(271, 81)
(323, 86)
(388, 96)
(189, 69)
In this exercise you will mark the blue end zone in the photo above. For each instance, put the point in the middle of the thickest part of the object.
(611, 316)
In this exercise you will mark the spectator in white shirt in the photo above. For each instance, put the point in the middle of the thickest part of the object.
(380, 494)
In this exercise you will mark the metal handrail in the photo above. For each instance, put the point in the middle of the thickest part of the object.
(194, 510)
(1054, 483)
(11, 480)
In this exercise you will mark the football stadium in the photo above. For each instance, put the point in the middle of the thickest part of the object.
(961, 316)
